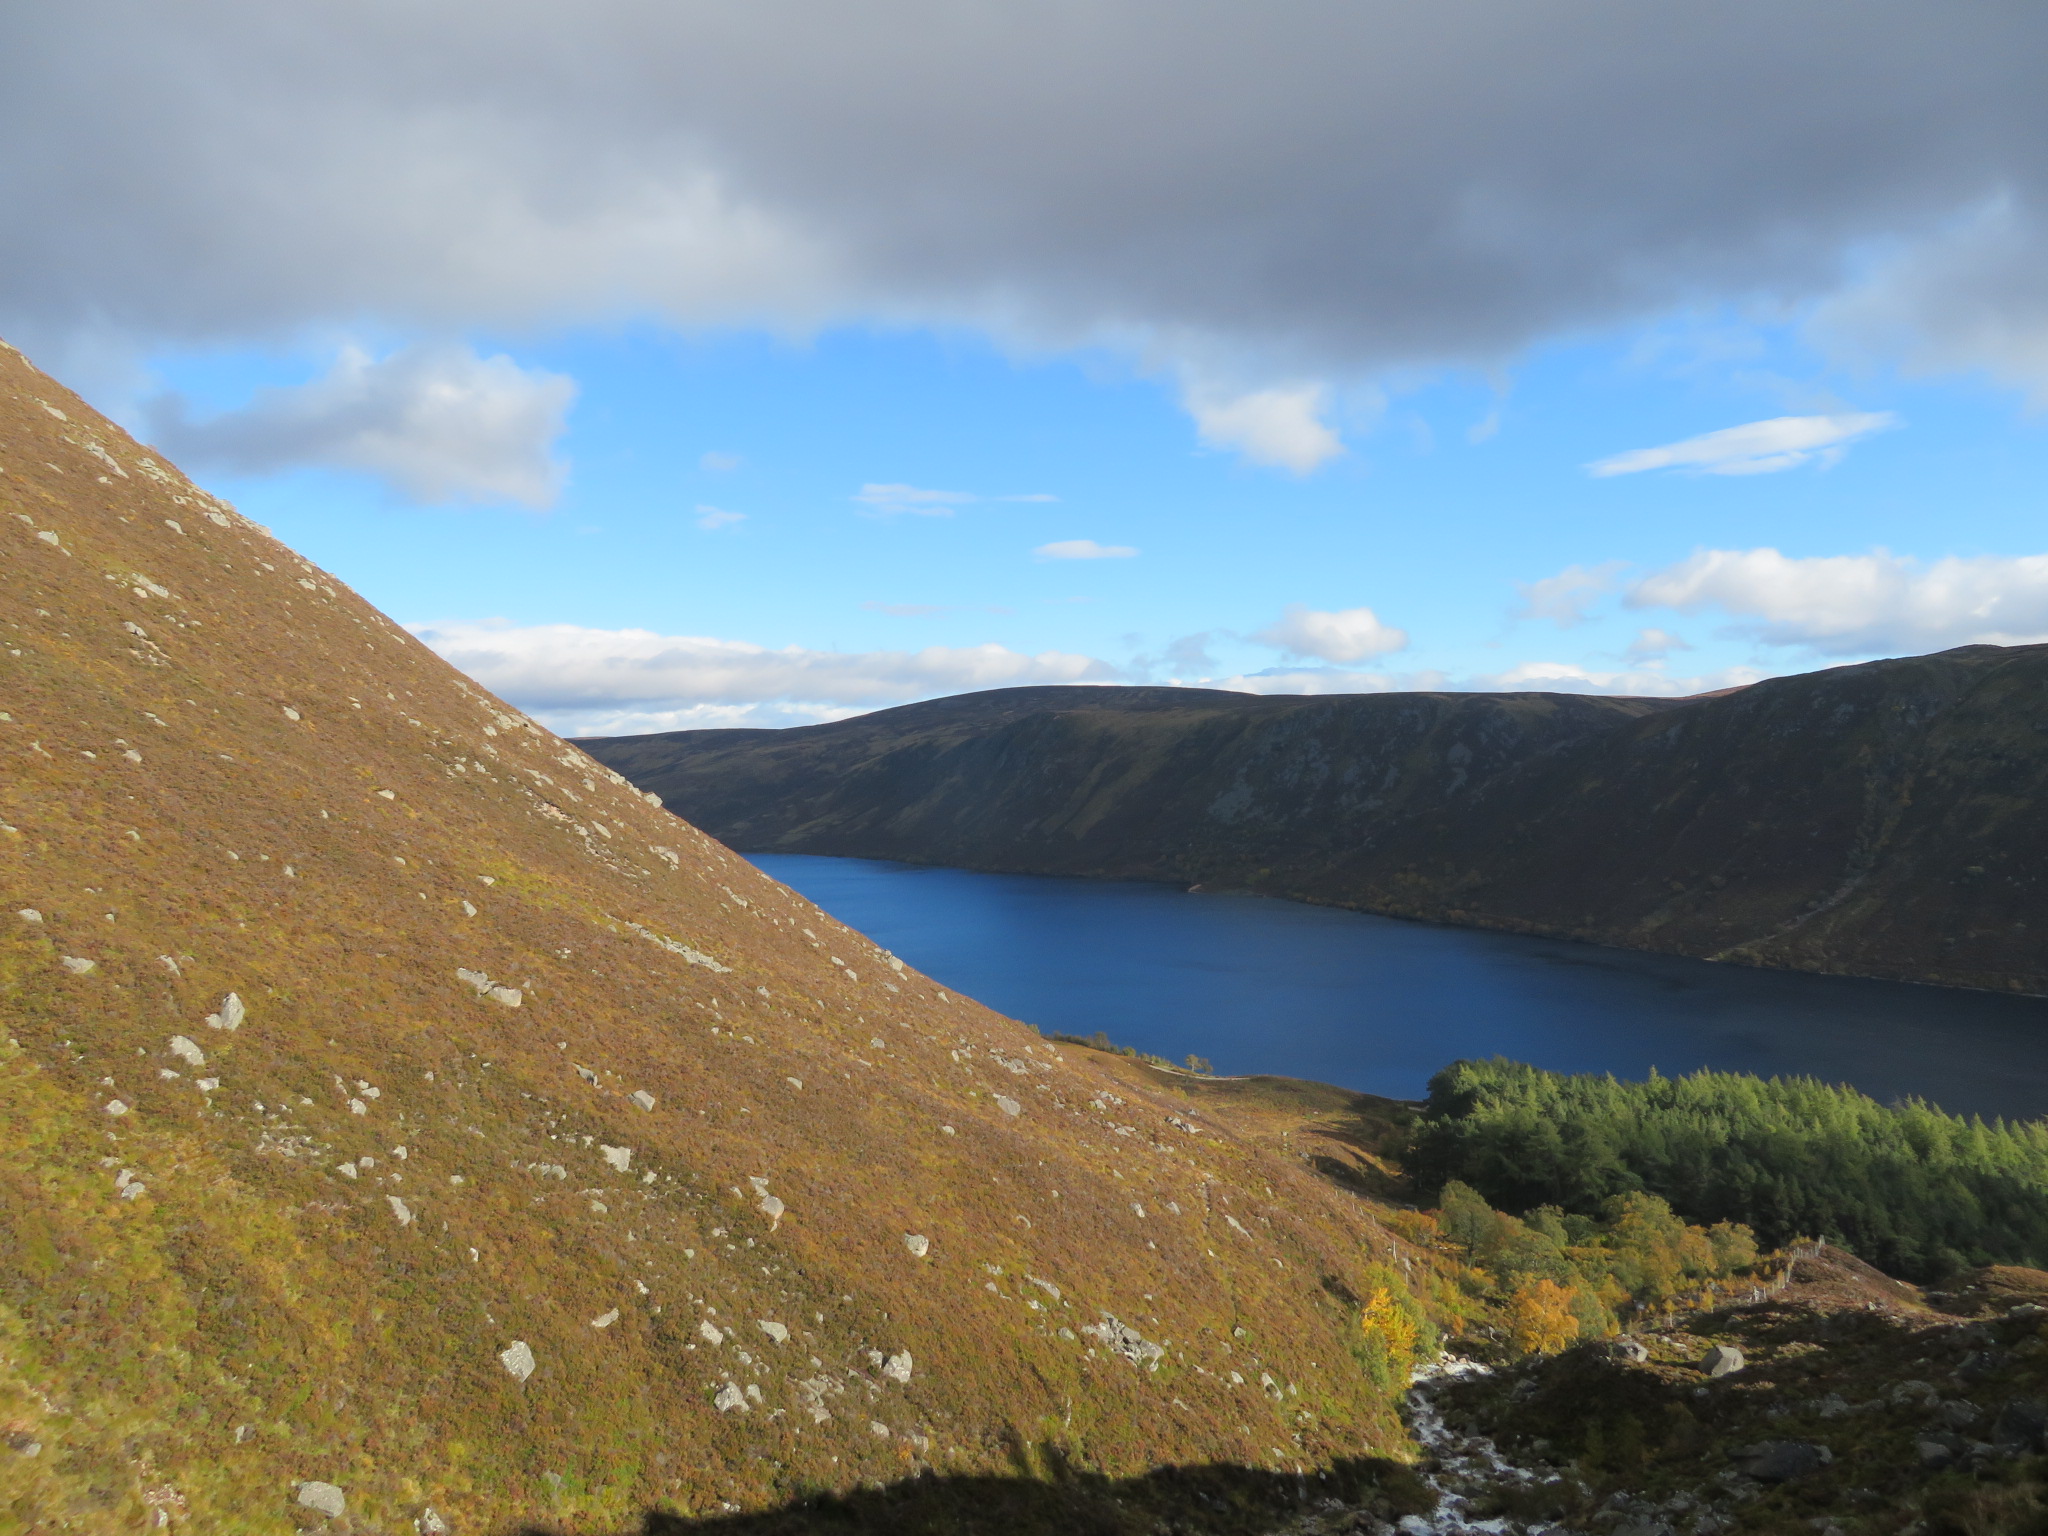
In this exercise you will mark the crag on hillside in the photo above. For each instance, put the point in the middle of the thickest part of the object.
(1887, 820)
(404, 1125)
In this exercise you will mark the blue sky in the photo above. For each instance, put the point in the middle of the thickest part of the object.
(712, 486)
(665, 364)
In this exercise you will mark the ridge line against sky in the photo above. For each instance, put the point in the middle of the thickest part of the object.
(795, 363)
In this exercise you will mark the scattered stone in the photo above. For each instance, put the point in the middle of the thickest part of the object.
(511, 997)
(1782, 1461)
(476, 979)
(78, 965)
(1125, 1340)
(186, 1050)
(430, 1523)
(918, 1246)
(620, 1158)
(324, 1498)
(587, 1075)
(1722, 1360)
(708, 1332)
(29, 915)
(607, 1320)
(1957, 1414)
(116, 1107)
(1632, 1350)
(730, 1399)
(1009, 1106)
(401, 1210)
(230, 1016)
(772, 1208)
(1045, 1285)
(775, 1331)
(644, 1099)
(517, 1358)
(897, 1367)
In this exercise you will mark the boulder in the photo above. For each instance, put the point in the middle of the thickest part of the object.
(1009, 1106)
(517, 1357)
(644, 1099)
(1722, 1360)
(1782, 1461)
(730, 1399)
(324, 1498)
(187, 1051)
(230, 1016)
(620, 1158)
(2022, 1424)
(897, 1367)
(1634, 1351)
(776, 1331)
(918, 1245)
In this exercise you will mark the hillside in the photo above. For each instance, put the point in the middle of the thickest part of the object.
(1888, 820)
(400, 1116)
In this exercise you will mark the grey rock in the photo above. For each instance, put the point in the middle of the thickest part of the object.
(1782, 1461)
(1987, 1362)
(2022, 1424)
(918, 1244)
(325, 1498)
(730, 1399)
(1936, 1451)
(897, 1367)
(1126, 1341)
(1957, 1414)
(230, 1016)
(430, 1523)
(517, 1357)
(779, 1332)
(1009, 1106)
(78, 965)
(1722, 1360)
(643, 1098)
(1632, 1350)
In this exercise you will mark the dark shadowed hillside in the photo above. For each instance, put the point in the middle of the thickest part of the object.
(405, 1126)
(1879, 820)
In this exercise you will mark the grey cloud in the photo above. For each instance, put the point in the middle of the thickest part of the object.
(1250, 195)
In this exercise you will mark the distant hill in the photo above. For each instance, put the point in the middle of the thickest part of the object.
(399, 1114)
(1888, 820)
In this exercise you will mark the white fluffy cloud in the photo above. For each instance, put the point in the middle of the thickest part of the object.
(1633, 682)
(1856, 605)
(583, 680)
(436, 424)
(1756, 448)
(1351, 634)
(1083, 549)
(1281, 426)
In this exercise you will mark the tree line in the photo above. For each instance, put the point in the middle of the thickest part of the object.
(1916, 1191)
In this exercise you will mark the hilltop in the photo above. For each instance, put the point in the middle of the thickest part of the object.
(406, 1125)
(1888, 819)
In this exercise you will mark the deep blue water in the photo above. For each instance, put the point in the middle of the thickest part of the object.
(1379, 1004)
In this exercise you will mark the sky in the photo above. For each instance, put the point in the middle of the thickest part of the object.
(665, 363)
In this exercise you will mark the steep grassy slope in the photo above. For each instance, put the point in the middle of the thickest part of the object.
(1888, 820)
(363, 1042)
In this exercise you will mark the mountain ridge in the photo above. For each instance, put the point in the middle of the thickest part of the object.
(1879, 819)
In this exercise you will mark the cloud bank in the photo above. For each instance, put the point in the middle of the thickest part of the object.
(1860, 605)
(1312, 193)
(435, 424)
(582, 681)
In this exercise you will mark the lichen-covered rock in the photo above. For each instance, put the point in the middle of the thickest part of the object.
(620, 1158)
(606, 1320)
(517, 1357)
(897, 1367)
(730, 1399)
(324, 1498)
(230, 1016)
(918, 1245)
(776, 1331)
(186, 1050)
(78, 965)
(643, 1098)
(401, 1210)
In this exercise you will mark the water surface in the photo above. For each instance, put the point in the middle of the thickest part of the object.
(1379, 1004)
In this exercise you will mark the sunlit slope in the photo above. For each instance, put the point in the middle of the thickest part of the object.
(363, 1041)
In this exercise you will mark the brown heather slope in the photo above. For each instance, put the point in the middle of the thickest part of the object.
(299, 1258)
(1889, 819)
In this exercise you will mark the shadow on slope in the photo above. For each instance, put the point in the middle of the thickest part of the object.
(1050, 1496)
